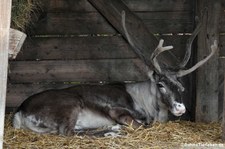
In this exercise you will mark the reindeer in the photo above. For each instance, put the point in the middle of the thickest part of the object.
(84, 107)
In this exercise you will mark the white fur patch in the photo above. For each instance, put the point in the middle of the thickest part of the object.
(30, 122)
(178, 109)
(17, 120)
(88, 119)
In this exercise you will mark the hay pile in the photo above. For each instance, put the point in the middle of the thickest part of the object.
(24, 13)
(168, 135)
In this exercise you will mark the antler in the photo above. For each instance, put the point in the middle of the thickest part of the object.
(156, 52)
(130, 41)
(189, 45)
(214, 48)
(191, 39)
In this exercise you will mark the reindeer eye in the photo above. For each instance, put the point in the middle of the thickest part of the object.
(160, 85)
(161, 88)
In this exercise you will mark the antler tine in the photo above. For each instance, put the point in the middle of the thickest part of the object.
(156, 52)
(214, 48)
(191, 39)
(189, 45)
(125, 29)
(159, 49)
(129, 39)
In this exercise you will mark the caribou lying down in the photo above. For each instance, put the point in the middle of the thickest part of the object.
(82, 107)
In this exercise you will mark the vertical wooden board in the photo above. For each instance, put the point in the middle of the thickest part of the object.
(221, 87)
(221, 78)
(222, 22)
(222, 46)
(5, 16)
(223, 117)
(207, 75)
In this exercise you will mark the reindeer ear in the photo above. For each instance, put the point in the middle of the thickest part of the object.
(155, 76)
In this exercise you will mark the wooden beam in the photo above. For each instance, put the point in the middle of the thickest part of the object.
(207, 75)
(5, 17)
(142, 38)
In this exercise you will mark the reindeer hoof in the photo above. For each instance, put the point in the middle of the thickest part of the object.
(112, 134)
(116, 128)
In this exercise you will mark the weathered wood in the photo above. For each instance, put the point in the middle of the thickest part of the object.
(17, 93)
(103, 47)
(77, 70)
(94, 23)
(142, 38)
(16, 39)
(222, 46)
(207, 75)
(5, 16)
(134, 5)
(222, 26)
(221, 87)
(223, 117)
(222, 22)
(76, 48)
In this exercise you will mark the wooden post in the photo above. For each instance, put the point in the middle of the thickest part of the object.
(223, 120)
(207, 75)
(5, 17)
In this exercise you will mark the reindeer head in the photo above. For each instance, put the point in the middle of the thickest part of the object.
(168, 79)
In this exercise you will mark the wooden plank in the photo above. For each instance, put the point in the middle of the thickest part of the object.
(134, 5)
(77, 70)
(221, 87)
(17, 93)
(223, 118)
(113, 47)
(222, 22)
(141, 39)
(76, 48)
(207, 75)
(95, 23)
(222, 46)
(5, 17)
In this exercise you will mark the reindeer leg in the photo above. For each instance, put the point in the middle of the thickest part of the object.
(68, 123)
(123, 116)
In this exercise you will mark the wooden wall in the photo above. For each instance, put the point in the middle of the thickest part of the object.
(222, 61)
(73, 42)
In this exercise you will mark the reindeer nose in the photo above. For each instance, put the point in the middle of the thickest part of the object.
(180, 107)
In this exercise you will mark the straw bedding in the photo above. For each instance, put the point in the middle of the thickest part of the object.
(24, 13)
(166, 135)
